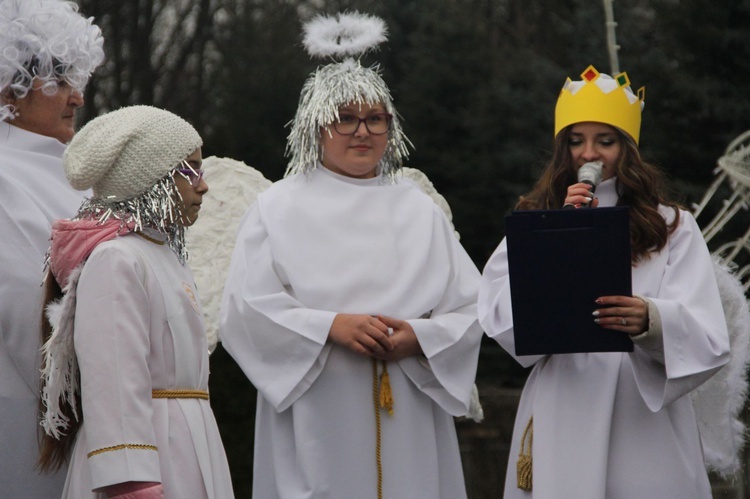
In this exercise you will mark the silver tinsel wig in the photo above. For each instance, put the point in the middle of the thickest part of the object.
(340, 83)
(46, 41)
(157, 208)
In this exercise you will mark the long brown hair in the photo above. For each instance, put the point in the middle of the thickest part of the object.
(54, 453)
(641, 187)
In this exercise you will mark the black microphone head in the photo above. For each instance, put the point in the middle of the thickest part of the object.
(591, 173)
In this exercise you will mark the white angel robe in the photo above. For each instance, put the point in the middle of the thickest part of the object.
(317, 245)
(620, 425)
(33, 193)
(138, 327)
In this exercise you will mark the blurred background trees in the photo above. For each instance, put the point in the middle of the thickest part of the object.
(475, 81)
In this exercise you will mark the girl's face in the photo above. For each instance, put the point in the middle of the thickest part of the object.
(592, 141)
(192, 195)
(356, 155)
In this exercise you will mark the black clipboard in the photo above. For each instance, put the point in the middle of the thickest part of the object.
(559, 262)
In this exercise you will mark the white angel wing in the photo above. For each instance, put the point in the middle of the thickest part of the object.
(718, 402)
(233, 188)
(424, 183)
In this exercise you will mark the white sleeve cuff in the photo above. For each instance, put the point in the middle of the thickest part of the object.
(651, 341)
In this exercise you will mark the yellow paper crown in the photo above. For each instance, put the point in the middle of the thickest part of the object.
(602, 99)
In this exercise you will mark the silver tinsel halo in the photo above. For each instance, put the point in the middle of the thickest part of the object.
(157, 208)
(324, 92)
(46, 40)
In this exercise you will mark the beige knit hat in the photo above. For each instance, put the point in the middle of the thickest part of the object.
(123, 153)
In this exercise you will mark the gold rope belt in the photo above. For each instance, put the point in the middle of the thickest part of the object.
(157, 394)
(179, 394)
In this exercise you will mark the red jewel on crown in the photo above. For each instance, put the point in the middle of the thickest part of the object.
(590, 75)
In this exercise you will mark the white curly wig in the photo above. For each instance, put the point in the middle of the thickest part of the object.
(46, 40)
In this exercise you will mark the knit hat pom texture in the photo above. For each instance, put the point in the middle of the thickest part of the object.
(123, 153)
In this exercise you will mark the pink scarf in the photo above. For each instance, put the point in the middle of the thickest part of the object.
(74, 240)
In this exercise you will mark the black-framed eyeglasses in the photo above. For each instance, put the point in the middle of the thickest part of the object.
(190, 174)
(376, 124)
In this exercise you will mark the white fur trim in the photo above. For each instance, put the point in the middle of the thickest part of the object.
(349, 34)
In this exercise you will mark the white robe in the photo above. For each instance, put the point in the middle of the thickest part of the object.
(33, 193)
(317, 245)
(620, 425)
(138, 327)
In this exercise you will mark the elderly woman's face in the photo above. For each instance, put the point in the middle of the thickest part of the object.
(356, 155)
(50, 115)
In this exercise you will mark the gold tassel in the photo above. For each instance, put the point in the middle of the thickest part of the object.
(524, 469)
(386, 395)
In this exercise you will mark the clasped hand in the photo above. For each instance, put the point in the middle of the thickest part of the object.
(370, 336)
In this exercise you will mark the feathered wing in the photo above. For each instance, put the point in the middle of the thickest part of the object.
(233, 188)
(60, 367)
(718, 403)
(424, 183)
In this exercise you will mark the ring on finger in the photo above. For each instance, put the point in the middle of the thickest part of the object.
(624, 322)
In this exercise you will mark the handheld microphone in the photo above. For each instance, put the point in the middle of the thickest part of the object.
(591, 173)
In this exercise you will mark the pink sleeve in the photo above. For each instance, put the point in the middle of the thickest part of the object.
(136, 490)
